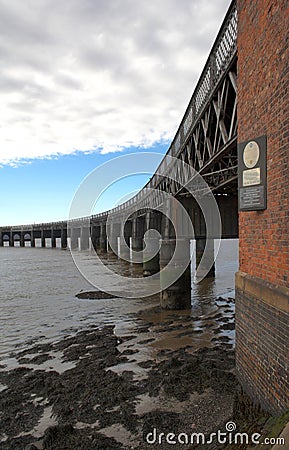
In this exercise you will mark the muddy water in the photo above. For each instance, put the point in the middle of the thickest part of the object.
(38, 303)
(39, 307)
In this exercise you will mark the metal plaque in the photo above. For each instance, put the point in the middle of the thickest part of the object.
(249, 198)
(252, 174)
(251, 177)
(251, 154)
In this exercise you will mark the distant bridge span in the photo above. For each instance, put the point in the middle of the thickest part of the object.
(206, 140)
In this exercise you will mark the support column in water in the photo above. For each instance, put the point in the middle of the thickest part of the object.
(53, 238)
(136, 240)
(94, 236)
(43, 242)
(103, 238)
(123, 249)
(208, 264)
(22, 240)
(84, 238)
(63, 237)
(32, 238)
(111, 245)
(112, 238)
(136, 245)
(74, 238)
(178, 294)
(151, 256)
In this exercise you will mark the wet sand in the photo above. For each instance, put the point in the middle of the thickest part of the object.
(108, 388)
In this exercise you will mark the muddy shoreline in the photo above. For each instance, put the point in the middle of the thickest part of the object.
(103, 395)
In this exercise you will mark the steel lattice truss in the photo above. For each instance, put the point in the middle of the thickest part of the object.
(207, 136)
(206, 139)
(210, 147)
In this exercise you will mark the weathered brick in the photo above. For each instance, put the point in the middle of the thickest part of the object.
(263, 108)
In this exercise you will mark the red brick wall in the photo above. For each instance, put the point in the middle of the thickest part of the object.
(263, 108)
(262, 336)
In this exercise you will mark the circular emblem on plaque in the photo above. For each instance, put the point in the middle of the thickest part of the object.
(251, 154)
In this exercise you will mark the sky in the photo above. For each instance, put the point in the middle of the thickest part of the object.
(84, 81)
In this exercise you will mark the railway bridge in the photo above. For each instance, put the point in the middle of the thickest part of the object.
(232, 141)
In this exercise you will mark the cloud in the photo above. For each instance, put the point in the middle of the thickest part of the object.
(102, 75)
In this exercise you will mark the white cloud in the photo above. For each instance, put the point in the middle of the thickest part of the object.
(98, 74)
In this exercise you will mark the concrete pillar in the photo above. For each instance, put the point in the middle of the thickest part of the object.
(136, 241)
(208, 265)
(22, 244)
(151, 257)
(112, 244)
(42, 239)
(103, 239)
(53, 238)
(123, 249)
(84, 238)
(136, 245)
(93, 234)
(10, 240)
(113, 230)
(64, 238)
(74, 238)
(178, 294)
(32, 238)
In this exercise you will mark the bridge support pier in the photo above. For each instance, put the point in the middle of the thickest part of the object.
(74, 239)
(84, 238)
(103, 239)
(22, 244)
(123, 249)
(178, 294)
(64, 238)
(151, 257)
(53, 239)
(208, 259)
(94, 238)
(111, 244)
(136, 245)
(43, 239)
(10, 241)
(151, 244)
(136, 240)
(113, 230)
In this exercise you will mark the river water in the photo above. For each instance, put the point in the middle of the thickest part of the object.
(38, 303)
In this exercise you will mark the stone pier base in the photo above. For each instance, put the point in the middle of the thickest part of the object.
(262, 341)
(178, 294)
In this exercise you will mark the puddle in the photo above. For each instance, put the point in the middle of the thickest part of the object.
(121, 434)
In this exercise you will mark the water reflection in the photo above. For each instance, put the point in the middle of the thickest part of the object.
(38, 303)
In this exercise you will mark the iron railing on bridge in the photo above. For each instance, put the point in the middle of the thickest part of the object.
(222, 53)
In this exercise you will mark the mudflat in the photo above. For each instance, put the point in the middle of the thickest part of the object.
(96, 390)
